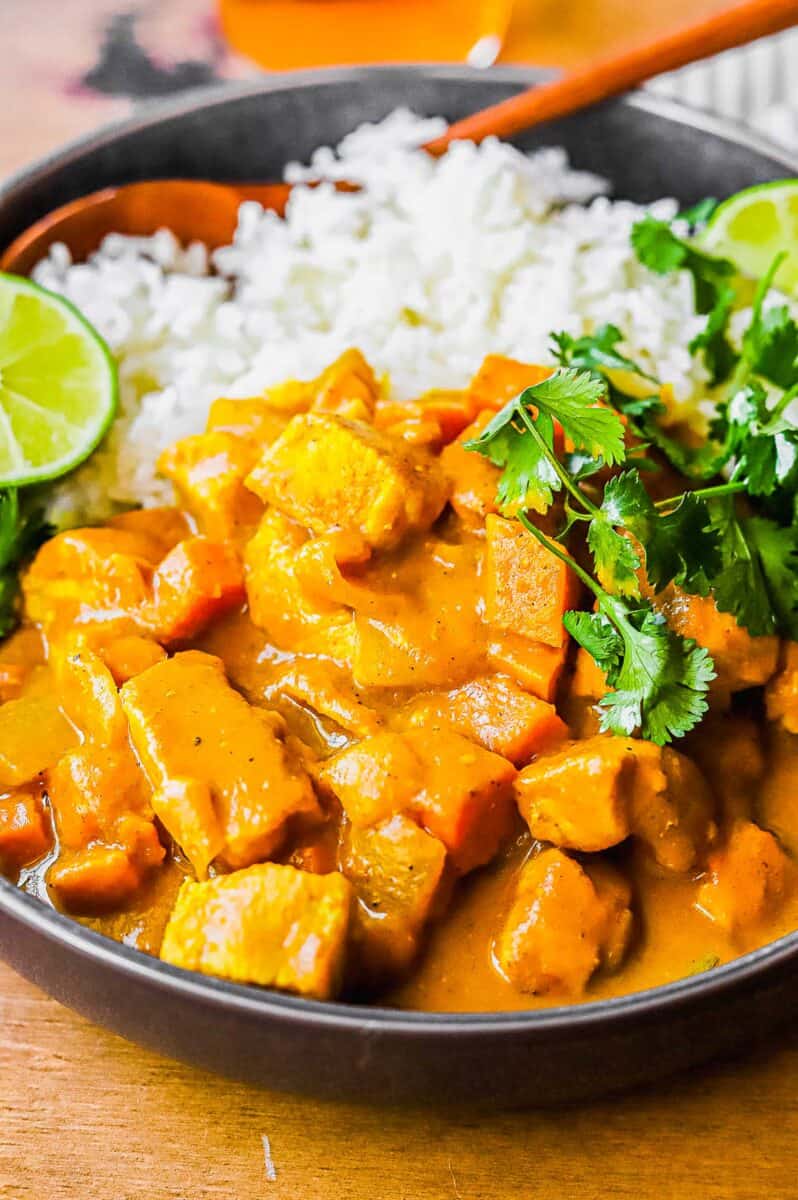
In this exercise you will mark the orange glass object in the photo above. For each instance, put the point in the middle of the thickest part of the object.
(286, 34)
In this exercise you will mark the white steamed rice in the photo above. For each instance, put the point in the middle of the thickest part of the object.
(429, 268)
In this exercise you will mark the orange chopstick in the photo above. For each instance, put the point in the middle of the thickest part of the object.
(619, 71)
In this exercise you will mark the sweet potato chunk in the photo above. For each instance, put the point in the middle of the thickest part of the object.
(563, 925)
(534, 665)
(499, 379)
(397, 871)
(212, 758)
(495, 712)
(457, 791)
(196, 583)
(25, 833)
(474, 478)
(327, 472)
(741, 661)
(747, 879)
(269, 924)
(528, 589)
(595, 793)
(130, 655)
(781, 693)
(208, 471)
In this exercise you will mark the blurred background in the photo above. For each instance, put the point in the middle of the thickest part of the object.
(64, 74)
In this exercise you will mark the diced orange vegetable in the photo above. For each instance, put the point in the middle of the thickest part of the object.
(495, 712)
(196, 583)
(347, 387)
(459, 792)
(94, 879)
(536, 666)
(129, 656)
(499, 379)
(25, 833)
(323, 687)
(741, 661)
(474, 479)
(528, 589)
(451, 410)
(12, 680)
(100, 798)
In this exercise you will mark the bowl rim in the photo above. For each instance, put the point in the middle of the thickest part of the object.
(259, 1003)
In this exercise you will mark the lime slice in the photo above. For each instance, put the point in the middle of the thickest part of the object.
(753, 226)
(58, 384)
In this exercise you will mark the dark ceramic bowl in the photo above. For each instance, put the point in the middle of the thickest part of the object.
(648, 149)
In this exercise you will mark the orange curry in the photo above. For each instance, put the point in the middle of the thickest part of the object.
(320, 728)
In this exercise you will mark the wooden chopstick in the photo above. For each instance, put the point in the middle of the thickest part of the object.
(620, 71)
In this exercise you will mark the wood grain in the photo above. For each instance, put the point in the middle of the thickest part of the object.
(86, 1116)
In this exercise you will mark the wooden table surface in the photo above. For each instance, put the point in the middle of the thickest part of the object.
(86, 1116)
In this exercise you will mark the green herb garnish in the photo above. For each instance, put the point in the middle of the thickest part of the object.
(21, 534)
(659, 678)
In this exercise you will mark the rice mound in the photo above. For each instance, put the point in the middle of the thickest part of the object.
(435, 264)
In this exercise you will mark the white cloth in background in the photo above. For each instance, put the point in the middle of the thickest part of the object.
(756, 84)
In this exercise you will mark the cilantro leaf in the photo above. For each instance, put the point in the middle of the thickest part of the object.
(21, 534)
(528, 479)
(762, 442)
(740, 586)
(770, 344)
(617, 562)
(574, 398)
(679, 545)
(660, 679)
(776, 548)
(595, 352)
(520, 438)
(659, 249)
(596, 634)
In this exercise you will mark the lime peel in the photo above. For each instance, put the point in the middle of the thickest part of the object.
(59, 387)
(751, 228)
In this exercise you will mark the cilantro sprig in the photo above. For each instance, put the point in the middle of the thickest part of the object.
(659, 679)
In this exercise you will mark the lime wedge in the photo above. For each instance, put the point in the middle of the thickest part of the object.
(58, 384)
(752, 227)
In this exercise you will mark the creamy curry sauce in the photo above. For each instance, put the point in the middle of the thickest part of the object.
(527, 896)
